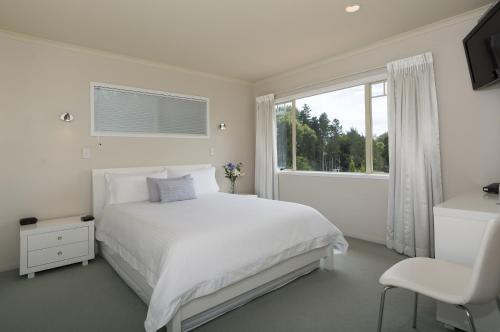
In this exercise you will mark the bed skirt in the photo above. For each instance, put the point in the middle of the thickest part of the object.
(139, 285)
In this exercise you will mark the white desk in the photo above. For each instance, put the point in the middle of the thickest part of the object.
(459, 224)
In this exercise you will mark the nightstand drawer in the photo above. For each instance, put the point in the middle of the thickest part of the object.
(55, 254)
(58, 238)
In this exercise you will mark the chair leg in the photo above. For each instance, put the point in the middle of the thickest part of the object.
(415, 308)
(470, 319)
(381, 312)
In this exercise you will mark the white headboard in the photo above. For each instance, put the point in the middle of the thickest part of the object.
(99, 182)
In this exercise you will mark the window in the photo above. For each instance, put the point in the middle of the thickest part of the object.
(123, 111)
(344, 130)
(380, 143)
(284, 135)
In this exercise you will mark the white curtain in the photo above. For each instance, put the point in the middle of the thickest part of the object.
(415, 168)
(266, 180)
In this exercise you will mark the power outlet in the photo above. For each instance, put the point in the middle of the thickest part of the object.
(85, 153)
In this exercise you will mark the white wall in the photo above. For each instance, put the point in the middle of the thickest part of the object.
(469, 124)
(41, 170)
(343, 200)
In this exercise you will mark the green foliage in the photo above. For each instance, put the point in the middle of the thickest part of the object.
(284, 129)
(303, 164)
(323, 145)
(381, 153)
(352, 166)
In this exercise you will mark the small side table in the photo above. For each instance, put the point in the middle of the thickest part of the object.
(55, 242)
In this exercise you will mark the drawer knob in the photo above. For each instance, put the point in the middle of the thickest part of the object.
(59, 253)
(59, 237)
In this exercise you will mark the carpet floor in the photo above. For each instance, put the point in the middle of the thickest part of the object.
(93, 298)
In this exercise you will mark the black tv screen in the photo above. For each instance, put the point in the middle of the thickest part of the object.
(482, 47)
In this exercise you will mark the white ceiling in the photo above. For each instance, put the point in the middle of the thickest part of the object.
(244, 39)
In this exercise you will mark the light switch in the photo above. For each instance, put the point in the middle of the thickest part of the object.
(85, 153)
(211, 152)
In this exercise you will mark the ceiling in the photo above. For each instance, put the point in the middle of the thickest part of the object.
(244, 39)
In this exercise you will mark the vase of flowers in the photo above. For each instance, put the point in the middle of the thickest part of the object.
(233, 172)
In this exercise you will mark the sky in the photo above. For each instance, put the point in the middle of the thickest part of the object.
(348, 105)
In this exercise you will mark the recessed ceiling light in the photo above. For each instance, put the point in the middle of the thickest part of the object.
(352, 8)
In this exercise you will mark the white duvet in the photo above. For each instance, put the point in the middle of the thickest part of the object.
(192, 248)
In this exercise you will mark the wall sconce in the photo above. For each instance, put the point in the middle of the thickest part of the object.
(67, 117)
(222, 126)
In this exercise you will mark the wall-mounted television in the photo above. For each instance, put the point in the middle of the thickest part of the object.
(482, 48)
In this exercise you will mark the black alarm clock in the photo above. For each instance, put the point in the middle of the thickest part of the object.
(28, 221)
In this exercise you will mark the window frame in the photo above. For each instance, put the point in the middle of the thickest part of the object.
(367, 82)
(96, 133)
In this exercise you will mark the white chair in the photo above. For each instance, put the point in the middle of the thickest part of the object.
(448, 282)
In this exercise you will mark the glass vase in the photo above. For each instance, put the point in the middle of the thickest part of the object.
(233, 187)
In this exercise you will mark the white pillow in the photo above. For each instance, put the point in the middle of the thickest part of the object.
(126, 188)
(204, 179)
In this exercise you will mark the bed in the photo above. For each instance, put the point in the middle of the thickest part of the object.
(191, 261)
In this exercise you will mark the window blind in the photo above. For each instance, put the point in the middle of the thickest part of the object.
(129, 112)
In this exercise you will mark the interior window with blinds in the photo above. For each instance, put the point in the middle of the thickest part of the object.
(119, 111)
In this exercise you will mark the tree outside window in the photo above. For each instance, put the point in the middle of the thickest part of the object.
(331, 131)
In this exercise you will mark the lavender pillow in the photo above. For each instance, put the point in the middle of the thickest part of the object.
(176, 189)
(154, 191)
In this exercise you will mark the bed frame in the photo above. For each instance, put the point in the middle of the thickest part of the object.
(203, 309)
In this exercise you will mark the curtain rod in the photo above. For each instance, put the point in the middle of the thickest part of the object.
(284, 93)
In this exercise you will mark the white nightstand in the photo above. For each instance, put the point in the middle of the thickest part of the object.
(56, 242)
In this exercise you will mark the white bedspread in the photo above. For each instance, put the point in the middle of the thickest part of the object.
(192, 248)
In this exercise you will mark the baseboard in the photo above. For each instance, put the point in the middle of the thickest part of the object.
(9, 267)
(366, 238)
